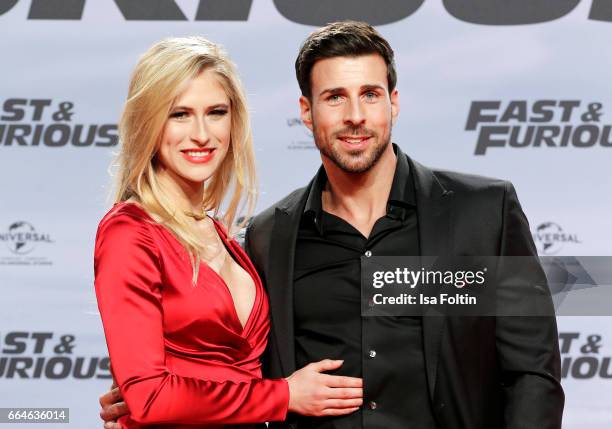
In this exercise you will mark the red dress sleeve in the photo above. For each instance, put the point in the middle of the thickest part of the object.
(128, 282)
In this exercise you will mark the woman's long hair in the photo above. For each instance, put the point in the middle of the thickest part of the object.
(158, 79)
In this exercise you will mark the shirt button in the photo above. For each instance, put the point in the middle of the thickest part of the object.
(373, 405)
(372, 354)
(368, 253)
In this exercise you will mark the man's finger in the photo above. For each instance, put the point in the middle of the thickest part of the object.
(345, 392)
(113, 412)
(338, 411)
(343, 403)
(326, 365)
(341, 381)
(112, 425)
(111, 397)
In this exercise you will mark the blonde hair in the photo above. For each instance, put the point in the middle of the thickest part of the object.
(156, 82)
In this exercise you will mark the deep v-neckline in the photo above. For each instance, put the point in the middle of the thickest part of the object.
(237, 260)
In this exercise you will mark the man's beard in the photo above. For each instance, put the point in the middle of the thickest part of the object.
(358, 161)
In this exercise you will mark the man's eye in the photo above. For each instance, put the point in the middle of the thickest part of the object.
(371, 96)
(334, 98)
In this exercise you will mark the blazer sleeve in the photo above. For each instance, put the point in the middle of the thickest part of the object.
(528, 347)
(128, 282)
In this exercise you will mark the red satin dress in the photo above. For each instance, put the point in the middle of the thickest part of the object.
(178, 351)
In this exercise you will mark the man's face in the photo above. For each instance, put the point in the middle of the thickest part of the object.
(351, 111)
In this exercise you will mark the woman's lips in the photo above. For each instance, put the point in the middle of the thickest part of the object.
(198, 156)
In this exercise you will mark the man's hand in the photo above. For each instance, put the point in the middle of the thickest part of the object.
(113, 407)
(313, 393)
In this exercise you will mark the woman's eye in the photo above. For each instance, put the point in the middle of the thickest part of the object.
(218, 112)
(179, 115)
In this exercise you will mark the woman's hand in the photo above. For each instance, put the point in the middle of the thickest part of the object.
(312, 393)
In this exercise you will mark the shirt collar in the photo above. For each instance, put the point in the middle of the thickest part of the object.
(402, 189)
(402, 193)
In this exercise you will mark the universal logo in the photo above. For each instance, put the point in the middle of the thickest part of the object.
(21, 239)
(303, 139)
(550, 238)
(540, 124)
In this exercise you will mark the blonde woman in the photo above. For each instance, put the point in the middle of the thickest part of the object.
(184, 311)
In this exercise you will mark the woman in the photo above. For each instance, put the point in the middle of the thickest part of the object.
(184, 312)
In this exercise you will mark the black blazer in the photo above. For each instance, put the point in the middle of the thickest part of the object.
(482, 372)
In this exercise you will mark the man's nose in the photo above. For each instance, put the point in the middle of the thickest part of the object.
(354, 114)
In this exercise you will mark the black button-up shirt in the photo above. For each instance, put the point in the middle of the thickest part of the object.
(386, 351)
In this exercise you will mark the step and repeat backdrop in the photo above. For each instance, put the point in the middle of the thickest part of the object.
(513, 89)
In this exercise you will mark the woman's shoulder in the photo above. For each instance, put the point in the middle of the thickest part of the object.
(125, 240)
(126, 220)
(126, 211)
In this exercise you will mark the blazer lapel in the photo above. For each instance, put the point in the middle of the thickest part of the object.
(280, 277)
(434, 211)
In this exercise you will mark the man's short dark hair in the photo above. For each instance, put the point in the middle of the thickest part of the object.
(342, 39)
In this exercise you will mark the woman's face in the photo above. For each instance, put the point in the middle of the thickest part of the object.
(196, 136)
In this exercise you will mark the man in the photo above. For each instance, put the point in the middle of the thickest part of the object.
(370, 199)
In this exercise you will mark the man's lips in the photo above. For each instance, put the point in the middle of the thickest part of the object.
(199, 155)
(354, 142)
(353, 139)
